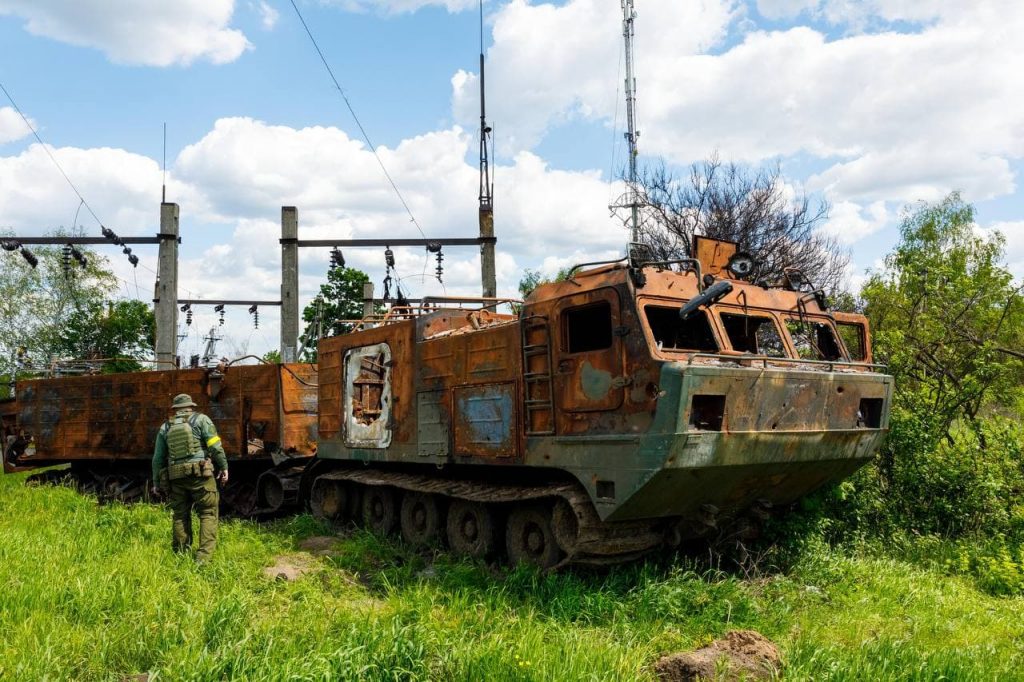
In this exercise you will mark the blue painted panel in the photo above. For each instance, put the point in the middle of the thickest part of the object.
(485, 420)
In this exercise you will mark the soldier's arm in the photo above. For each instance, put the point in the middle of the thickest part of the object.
(211, 441)
(159, 455)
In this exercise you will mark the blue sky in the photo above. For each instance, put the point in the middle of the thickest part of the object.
(871, 105)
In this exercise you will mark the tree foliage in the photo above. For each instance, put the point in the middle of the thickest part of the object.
(753, 208)
(948, 318)
(333, 310)
(52, 313)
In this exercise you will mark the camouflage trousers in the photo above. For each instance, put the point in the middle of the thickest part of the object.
(197, 493)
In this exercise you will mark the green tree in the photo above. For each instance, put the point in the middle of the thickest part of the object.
(947, 317)
(119, 332)
(532, 279)
(335, 309)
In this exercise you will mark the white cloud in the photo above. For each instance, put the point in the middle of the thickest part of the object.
(123, 188)
(550, 63)
(12, 126)
(402, 6)
(903, 113)
(1013, 231)
(268, 15)
(147, 32)
(850, 222)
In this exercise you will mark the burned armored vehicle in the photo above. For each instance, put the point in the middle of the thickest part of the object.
(630, 406)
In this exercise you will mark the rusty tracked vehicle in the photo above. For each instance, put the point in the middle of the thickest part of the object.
(598, 422)
(104, 426)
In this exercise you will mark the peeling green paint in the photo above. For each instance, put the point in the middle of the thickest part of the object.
(595, 382)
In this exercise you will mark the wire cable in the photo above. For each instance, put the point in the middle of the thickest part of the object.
(356, 119)
(46, 149)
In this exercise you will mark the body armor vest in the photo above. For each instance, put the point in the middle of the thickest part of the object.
(182, 443)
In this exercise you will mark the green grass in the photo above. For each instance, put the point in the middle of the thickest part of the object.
(94, 593)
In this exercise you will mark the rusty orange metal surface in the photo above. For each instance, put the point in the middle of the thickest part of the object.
(257, 410)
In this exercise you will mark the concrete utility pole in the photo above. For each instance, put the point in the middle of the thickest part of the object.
(289, 283)
(167, 289)
(368, 301)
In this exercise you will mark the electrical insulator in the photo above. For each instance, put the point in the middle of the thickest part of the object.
(78, 256)
(219, 309)
(389, 257)
(337, 259)
(107, 232)
(65, 259)
(254, 310)
(134, 260)
(440, 268)
(126, 251)
(387, 288)
(187, 309)
(9, 245)
(29, 257)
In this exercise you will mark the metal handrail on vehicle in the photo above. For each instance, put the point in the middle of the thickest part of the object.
(832, 364)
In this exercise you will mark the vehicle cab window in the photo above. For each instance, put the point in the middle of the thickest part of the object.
(813, 339)
(671, 332)
(588, 328)
(757, 334)
(853, 338)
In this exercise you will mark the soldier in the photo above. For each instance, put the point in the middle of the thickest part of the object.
(182, 470)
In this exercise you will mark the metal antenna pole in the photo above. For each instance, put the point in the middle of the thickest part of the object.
(632, 134)
(488, 273)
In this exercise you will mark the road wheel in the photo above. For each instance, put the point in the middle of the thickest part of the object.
(421, 519)
(380, 509)
(530, 539)
(471, 529)
(327, 500)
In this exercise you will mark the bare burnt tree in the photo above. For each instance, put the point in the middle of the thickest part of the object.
(752, 208)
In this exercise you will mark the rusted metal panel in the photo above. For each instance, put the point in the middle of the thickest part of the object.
(299, 408)
(492, 354)
(116, 416)
(485, 419)
(434, 416)
(713, 254)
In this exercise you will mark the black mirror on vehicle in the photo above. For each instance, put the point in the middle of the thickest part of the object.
(713, 293)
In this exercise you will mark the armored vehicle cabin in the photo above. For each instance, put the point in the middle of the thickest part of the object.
(628, 406)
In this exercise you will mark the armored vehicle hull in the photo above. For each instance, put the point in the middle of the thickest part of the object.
(593, 425)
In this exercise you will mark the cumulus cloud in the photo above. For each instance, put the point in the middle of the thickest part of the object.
(147, 32)
(903, 113)
(12, 126)
(402, 6)
(551, 63)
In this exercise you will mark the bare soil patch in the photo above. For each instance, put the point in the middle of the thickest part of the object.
(740, 655)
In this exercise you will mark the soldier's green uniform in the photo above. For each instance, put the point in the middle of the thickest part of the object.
(185, 446)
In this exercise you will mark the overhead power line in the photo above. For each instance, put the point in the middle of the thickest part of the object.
(352, 111)
(46, 149)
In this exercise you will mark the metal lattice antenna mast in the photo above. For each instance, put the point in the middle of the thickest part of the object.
(488, 274)
(632, 134)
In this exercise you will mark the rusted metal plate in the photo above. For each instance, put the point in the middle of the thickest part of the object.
(713, 254)
(117, 416)
(299, 408)
(434, 416)
(485, 418)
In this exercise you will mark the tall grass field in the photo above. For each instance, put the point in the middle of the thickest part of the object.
(90, 592)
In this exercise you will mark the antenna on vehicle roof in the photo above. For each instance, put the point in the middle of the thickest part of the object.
(486, 212)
